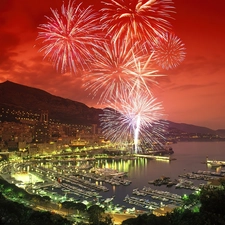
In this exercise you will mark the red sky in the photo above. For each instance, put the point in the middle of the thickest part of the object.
(192, 93)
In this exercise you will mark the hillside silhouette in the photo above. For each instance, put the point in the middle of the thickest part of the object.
(28, 99)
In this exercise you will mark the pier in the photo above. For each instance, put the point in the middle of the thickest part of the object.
(157, 194)
(157, 157)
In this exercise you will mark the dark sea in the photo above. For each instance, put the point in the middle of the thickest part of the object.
(188, 157)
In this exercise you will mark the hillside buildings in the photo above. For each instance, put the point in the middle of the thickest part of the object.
(43, 136)
(38, 134)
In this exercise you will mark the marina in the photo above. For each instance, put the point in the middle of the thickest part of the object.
(138, 182)
(90, 184)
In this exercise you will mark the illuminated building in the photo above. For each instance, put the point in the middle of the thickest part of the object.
(41, 129)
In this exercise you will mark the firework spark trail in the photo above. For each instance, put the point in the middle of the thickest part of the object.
(169, 51)
(136, 116)
(136, 19)
(136, 133)
(68, 37)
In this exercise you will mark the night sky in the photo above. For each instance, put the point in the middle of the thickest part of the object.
(191, 93)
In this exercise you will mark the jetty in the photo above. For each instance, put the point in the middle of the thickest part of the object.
(157, 194)
(144, 203)
(157, 157)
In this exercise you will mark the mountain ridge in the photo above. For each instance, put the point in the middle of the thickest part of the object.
(27, 98)
(20, 97)
(190, 128)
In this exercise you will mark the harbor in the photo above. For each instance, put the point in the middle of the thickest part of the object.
(87, 184)
(137, 184)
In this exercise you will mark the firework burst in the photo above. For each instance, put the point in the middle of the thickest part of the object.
(143, 74)
(119, 66)
(169, 51)
(136, 118)
(109, 73)
(68, 37)
(136, 19)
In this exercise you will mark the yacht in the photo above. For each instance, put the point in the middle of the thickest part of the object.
(215, 163)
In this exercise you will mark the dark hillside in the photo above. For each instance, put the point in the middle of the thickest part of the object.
(19, 97)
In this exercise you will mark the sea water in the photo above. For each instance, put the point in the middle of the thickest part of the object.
(187, 157)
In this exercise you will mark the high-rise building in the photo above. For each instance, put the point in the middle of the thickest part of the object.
(44, 116)
(41, 129)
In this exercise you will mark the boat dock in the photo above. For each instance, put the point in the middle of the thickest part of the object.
(156, 200)
(157, 157)
(144, 203)
(157, 194)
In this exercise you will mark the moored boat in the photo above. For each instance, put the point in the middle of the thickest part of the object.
(215, 163)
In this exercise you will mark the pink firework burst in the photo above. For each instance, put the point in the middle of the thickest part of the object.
(136, 19)
(169, 51)
(69, 36)
(108, 74)
(119, 66)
